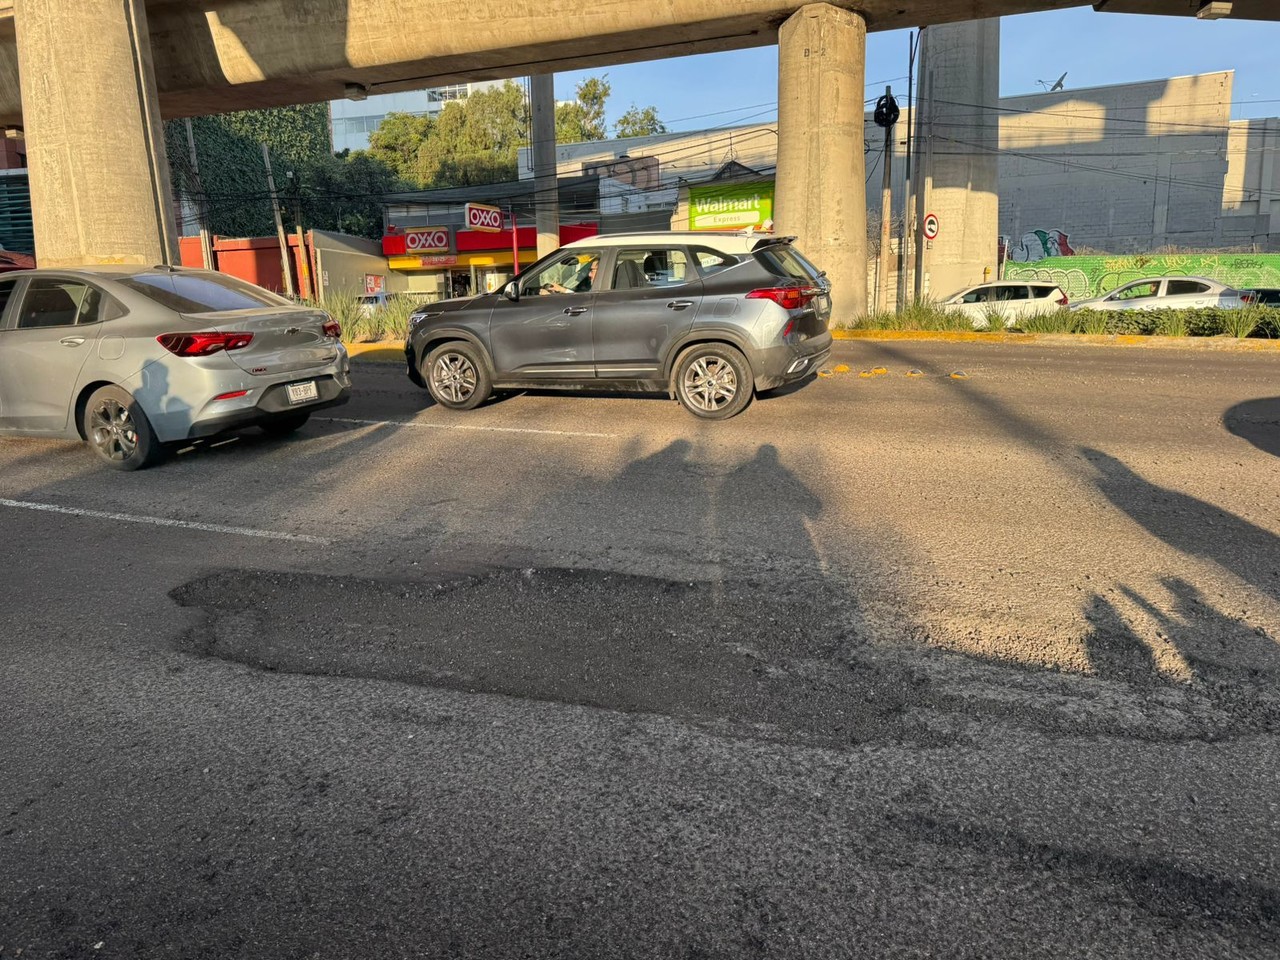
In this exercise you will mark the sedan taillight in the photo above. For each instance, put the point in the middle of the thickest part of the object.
(332, 328)
(203, 344)
(789, 298)
(1064, 302)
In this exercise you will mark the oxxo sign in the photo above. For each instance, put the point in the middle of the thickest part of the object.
(427, 240)
(484, 218)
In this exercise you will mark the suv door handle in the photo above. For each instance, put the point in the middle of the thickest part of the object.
(575, 311)
(679, 304)
(71, 341)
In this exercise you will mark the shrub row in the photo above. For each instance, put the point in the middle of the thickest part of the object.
(1209, 322)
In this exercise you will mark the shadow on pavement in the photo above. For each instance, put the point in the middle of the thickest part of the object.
(1257, 421)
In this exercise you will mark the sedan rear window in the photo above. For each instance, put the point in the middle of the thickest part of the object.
(203, 293)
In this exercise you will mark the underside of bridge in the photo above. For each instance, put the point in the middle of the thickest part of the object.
(96, 80)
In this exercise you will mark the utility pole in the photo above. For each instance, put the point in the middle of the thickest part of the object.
(202, 201)
(925, 172)
(275, 208)
(304, 275)
(904, 228)
(886, 116)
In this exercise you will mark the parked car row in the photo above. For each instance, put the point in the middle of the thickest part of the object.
(1012, 301)
(137, 360)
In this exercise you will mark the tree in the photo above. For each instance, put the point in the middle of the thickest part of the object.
(475, 140)
(638, 122)
(397, 140)
(583, 119)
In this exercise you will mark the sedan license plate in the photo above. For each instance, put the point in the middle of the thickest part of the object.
(302, 392)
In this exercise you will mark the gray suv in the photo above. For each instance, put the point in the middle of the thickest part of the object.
(709, 318)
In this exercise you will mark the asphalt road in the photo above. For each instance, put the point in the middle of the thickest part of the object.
(888, 666)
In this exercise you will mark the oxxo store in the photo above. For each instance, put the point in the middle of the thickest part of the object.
(447, 261)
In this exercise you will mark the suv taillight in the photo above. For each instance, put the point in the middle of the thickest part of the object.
(788, 298)
(332, 328)
(1249, 298)
(203, 344)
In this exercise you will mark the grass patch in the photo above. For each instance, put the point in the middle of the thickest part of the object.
(1171, 324)
(1242, 323)
(358, 326)
(1054, 321)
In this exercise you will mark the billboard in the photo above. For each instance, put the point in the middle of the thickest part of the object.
(731, 206)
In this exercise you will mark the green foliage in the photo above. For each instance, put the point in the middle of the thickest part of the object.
(1242, 323)
(475, 140)
(390, 322)
(1053, 321)
(315, 188)
(1209, 322)
(924, 315)
(583, 119)
(639, 122)
(397, 140)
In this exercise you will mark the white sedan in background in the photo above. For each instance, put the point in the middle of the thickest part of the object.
(1007, 300)
(1165, 293)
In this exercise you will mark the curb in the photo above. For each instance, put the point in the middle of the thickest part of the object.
(388, 351)
(1223, 344)
(392, 351)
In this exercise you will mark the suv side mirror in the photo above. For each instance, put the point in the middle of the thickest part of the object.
(512, 291)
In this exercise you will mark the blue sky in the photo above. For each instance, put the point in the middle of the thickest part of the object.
(1093, 48)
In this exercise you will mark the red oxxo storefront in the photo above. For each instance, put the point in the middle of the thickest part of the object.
(450, 262)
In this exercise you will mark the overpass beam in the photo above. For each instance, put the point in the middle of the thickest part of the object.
(820, 194)
(95, 146)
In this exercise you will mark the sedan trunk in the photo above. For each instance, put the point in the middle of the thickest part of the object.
(285, 339)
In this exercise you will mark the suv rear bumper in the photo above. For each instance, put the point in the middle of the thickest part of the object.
(774, 366)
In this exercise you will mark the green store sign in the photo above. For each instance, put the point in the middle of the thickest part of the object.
(730, 207)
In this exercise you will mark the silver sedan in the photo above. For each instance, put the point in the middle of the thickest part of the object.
(134, 360)
(1165, 293)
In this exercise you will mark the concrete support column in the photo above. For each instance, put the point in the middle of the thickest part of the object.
(95, 146)
(961, 62)
(546, 196)
(821, 195)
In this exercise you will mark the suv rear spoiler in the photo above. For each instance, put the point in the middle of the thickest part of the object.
(770, 241)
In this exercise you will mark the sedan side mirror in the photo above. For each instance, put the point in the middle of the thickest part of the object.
(512, 291)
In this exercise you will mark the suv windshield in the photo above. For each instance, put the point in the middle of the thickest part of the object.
(201, 293)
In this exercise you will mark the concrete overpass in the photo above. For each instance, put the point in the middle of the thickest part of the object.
(97, 79)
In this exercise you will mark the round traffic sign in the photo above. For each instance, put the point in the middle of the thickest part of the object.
(931, 227)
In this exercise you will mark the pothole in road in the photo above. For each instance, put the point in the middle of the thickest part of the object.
(729, 656)
(740, 659)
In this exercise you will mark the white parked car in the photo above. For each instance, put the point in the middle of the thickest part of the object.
(1160, 293)
(370, 303)
(1010, 300)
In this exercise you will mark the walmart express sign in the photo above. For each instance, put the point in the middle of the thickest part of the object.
(730, 207)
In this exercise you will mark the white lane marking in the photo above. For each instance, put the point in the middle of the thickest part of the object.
(464, 426)
(163, 522)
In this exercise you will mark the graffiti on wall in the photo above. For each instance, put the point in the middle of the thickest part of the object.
(1084, 277)
(1038, 245)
